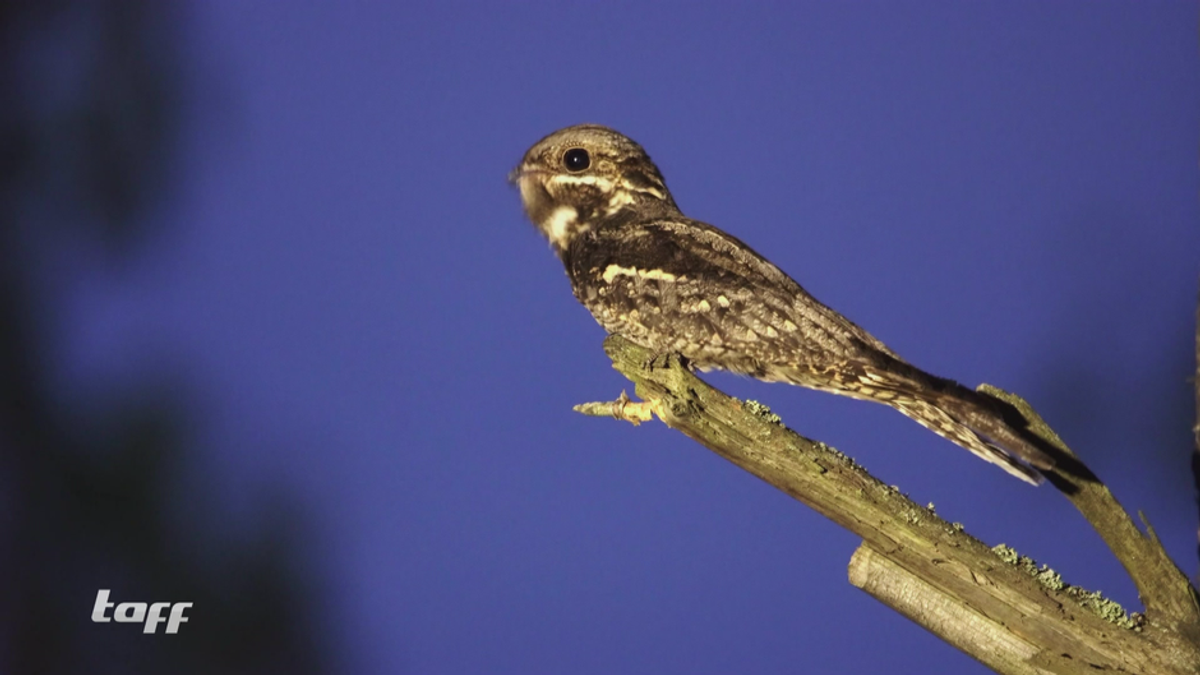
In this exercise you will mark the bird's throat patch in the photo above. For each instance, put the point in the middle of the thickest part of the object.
(560, 225)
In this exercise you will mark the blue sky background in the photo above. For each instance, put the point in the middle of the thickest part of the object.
(1002, 192)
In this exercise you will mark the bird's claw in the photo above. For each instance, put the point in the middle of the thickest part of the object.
(662, 359)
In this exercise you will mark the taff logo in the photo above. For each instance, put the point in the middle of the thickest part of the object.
(135, 612)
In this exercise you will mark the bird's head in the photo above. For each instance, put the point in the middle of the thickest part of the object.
(581, 175)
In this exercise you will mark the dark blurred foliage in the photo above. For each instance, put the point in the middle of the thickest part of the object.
(92, 100)
(1196, 435)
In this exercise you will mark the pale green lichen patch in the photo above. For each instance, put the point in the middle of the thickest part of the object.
(1094, 601)
(1006, 553)
(838, 454)
(912, 516)
(1106, 609)
(761, 411)
(1049, 578)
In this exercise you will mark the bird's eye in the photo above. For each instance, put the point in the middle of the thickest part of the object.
(576, 160)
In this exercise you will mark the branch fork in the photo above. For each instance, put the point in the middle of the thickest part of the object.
(1008, 614)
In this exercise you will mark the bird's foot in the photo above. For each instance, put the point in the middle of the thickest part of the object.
(662, 359)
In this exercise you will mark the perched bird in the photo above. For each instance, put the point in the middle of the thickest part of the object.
(672, 284)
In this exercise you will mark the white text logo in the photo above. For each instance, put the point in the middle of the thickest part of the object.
(135, 612)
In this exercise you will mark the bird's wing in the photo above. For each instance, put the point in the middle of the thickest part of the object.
(721, 285)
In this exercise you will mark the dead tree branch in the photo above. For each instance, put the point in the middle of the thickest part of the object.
(993, 605)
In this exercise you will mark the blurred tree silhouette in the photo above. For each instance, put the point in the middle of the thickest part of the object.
(93, 94)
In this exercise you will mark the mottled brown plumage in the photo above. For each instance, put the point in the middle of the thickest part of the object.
(673, 284)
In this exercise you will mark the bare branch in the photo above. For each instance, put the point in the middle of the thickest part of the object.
(1165, 591)
(929, 569)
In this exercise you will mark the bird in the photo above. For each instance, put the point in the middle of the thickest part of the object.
(673, 284)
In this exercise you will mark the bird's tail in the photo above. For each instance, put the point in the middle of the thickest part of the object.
(948, 409)
(981, 431)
